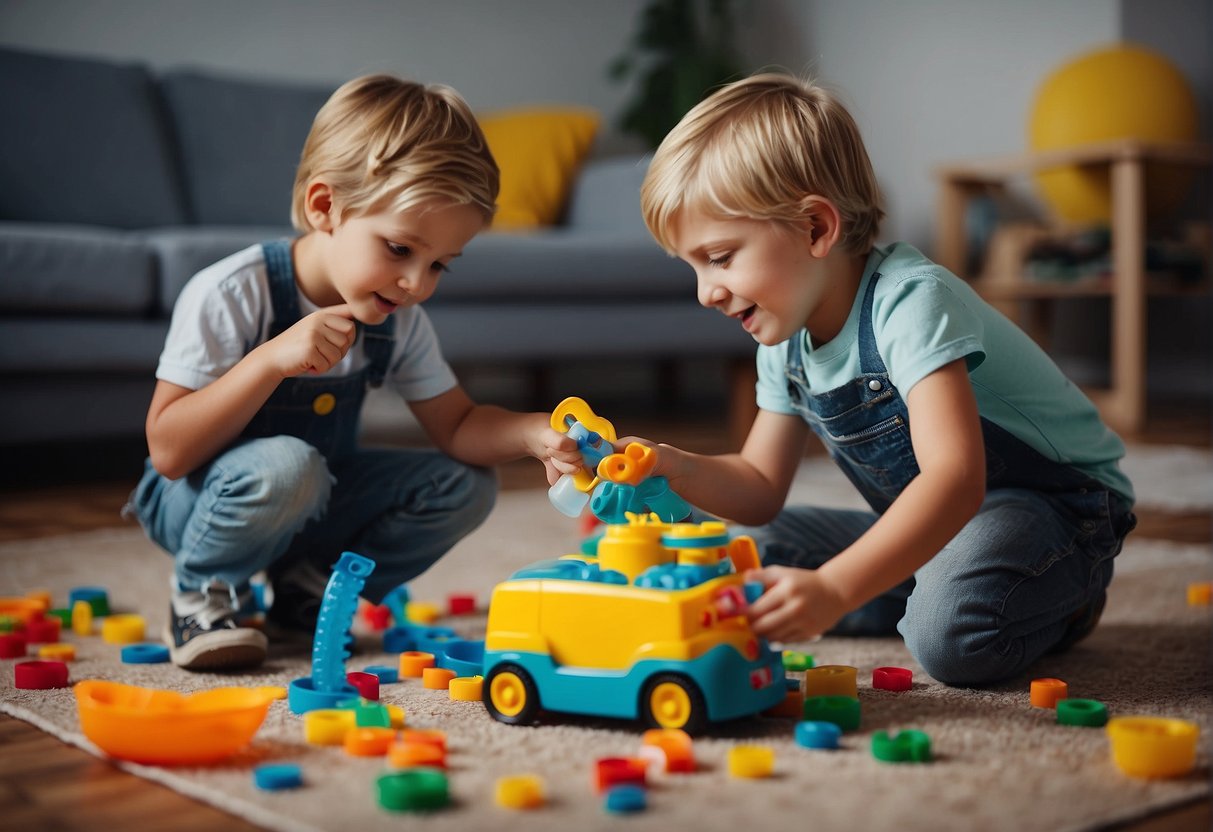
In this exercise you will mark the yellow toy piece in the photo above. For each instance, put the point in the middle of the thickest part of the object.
(328, 726)
(163, 727)
(466, 688)
(1150, 746)
(751, 761)
(520, 791)
(122, 629)
(82, 618)
(572, 410)
(831, 680)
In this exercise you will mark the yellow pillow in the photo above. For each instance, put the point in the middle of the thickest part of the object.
(539, 150)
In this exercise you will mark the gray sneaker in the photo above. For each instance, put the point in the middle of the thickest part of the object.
(203, 633)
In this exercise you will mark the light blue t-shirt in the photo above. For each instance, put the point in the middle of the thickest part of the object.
(924, 317)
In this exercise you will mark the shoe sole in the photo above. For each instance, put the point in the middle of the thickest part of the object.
(221, 650)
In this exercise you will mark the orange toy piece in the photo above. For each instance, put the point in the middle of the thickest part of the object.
(413, 663)
(792, 706)
(467, 688)
(631, 467)
(1150, 746)
(23, 609)
(410, 754)
(58, 651)
(670, 748)
(831, 680)
(425, 736)
(368, 742)
(437, 678)
(163, 727)
(1200, 594)
(1044, 693)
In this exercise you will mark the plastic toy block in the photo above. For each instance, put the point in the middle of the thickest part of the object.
(1044, 693)
(396, 601)
(520, 791)
(401, 639)
(796, 662)
(163, 727)
(1200, 594)
(411, 754)
(377, 617)
(123, 629)
(892, 678)
(145, 654)
(59, 652)
(412, 790)
(671, 749)
(904, 747)
(831, 680)
(817, 734)
(414, 662)
(96, 597)
(13, 646)
(436, 678)
(386, 675)
(467, 688)
(42, 630)
(792, 706)
(42, 595)
(82, 618)
(616, 771)
(625, 799)
(367, 714)
(1086, 713)
(63, 614)
(751, 761)
(425, 736)
(843, 711)
(367, 684)
(368, 742)
(273, 777)
(460, 604)
(1150, 746)
(39, 675)
(421, 612)
(10, 623)
(328, 726)
(22, 609)
(396, 716)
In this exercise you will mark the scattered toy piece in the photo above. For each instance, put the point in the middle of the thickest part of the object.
(1084, 712)
(625, 799)
(892, 678)
(751, 761)
(520, 791)
(904, 747)
(843, 711)
(145, 653)
(272, 777)
(1149, 746)
(1044, 693)
(415, 789)
(817, 734)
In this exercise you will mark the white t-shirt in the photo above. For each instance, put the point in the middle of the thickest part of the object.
(924, 317)
(226, 310)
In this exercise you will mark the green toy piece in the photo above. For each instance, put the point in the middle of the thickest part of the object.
(905, 747)
(797, 662)
(1086, 713)
(413, 790)
(843, 711)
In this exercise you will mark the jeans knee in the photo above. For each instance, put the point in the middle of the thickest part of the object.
(281, 480)
(478, 487)
(954, 652)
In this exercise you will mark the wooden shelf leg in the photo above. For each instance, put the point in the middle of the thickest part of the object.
(1126, 402)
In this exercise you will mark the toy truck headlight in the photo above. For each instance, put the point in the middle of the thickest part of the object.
(730, 602)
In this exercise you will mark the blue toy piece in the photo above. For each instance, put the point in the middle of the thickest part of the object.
(397, 602)
(565, 496)
(386, 675)
(327, 684)
(144, 654)
(817, 734)
(625, 799)
(273, 777)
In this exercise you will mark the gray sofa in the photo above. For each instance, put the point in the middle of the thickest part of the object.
(117, 185)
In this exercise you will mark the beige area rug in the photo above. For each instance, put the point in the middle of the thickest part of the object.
(999, 763)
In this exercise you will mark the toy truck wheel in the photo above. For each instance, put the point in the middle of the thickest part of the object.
(672, 701)
(510, 695)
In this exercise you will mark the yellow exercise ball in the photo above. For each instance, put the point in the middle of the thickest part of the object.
(1117, 92)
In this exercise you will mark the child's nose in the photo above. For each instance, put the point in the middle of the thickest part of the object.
(711, 294)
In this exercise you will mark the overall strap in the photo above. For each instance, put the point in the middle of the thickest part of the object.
(283, 292)
(870, 362)
(377, 344)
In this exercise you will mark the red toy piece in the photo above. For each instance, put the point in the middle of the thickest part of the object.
(460, 604)
(377, 617)
(42, 630)
(13, 646)
(39, 675)
(614, 771)
(367, 684)
(892, 678)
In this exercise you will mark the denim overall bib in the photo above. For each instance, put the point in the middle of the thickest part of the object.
(324, 412)
(1024, 576)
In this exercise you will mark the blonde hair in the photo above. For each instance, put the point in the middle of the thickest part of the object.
(387, 144)
(754, 150)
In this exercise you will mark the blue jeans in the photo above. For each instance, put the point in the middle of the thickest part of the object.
(1008, 588)
(275, 501)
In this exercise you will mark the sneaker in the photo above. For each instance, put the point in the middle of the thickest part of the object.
(203, 633)
(295, 600)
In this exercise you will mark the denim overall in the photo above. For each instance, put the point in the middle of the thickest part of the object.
(295, 490)
(1010, 586)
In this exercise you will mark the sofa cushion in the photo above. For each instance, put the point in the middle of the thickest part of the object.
(564, 263)
(240, 143)
(103, 155)
(74, 269)
(53, 346)
(182, 252)
(606, 197)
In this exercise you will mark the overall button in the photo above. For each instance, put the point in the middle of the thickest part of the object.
(874, 385)
(323, 404)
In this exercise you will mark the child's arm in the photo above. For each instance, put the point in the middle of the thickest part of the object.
(185, 428)
(481, 434)
(802, 603)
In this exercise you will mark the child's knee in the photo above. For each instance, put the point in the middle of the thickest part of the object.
(474, 491)
(954, 649)
(279, 479)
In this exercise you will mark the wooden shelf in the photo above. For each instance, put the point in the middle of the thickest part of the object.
(1123, 405)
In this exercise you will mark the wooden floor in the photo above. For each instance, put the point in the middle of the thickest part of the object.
(48, 785)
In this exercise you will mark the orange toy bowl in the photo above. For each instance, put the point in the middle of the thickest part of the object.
(163, 727)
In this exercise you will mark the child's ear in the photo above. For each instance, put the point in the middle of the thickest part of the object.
(823, 222)
(318, 206)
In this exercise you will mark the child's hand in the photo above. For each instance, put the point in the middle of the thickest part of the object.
(315, 344)
(797, 605)
(557, 451)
